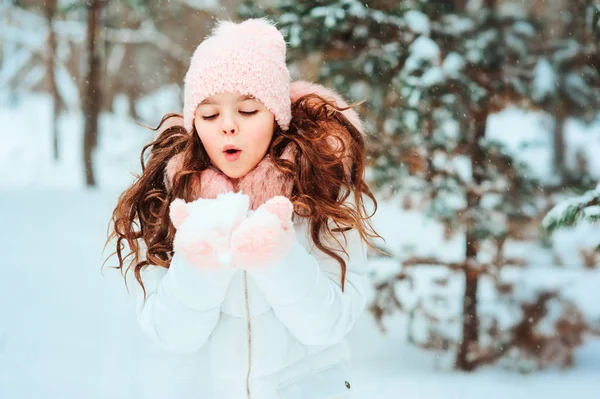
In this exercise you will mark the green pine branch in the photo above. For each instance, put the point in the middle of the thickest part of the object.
(572, 211)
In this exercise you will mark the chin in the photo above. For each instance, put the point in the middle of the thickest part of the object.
(235, 174)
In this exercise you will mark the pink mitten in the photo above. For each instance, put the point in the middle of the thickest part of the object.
(265, 237)
(204, 228)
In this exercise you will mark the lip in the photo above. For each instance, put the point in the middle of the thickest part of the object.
(230, 147)
(231, 157)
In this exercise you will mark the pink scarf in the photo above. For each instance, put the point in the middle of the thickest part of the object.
(263, 182)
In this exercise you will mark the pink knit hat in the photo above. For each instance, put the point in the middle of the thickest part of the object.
(248, 58)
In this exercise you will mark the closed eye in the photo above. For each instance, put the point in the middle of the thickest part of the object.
(210, 117)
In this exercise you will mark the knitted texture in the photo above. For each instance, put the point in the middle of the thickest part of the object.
(248, 58)
(204, 227)
(265, 237)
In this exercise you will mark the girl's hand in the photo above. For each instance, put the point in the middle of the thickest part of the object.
(265, 237)
(205, 249)
(204, 228)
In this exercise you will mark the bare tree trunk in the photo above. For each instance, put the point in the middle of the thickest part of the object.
(460, 6)
(559, 142)
(50, 12)
(132, 100)
(470, 333)
(9, 50)
(92, 98)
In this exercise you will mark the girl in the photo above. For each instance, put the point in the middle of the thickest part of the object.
(247, 230)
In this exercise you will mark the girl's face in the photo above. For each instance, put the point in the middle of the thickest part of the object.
(236, 131)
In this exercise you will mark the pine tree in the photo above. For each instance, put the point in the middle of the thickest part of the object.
(471, 65)
(574, 69)
(567, 78)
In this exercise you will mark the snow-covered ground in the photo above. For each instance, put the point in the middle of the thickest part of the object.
(68, 330)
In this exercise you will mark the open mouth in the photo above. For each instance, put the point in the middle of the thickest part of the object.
(231, 153)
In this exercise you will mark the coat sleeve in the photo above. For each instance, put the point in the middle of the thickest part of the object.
(305, 293)
(182, 305)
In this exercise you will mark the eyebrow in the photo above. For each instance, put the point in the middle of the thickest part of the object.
(240, 99)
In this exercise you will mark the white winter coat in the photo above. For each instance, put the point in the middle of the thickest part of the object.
(276, 333)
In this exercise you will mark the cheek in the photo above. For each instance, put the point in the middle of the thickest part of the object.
(260, 135)
(262, 131)
(206, 137)
(202, 135)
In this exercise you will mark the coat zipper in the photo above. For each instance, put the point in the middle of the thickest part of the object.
(249, 325)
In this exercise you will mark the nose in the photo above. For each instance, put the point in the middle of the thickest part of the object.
(229, 127)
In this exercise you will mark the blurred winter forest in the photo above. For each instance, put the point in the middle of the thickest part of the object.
(484, 133)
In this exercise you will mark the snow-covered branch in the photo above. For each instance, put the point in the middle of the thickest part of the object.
(571, 211)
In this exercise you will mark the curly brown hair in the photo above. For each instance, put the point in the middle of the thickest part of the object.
(328, 167)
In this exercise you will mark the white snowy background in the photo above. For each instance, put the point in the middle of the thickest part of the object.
(68, 328)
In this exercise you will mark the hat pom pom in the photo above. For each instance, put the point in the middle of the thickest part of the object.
(251, 29)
